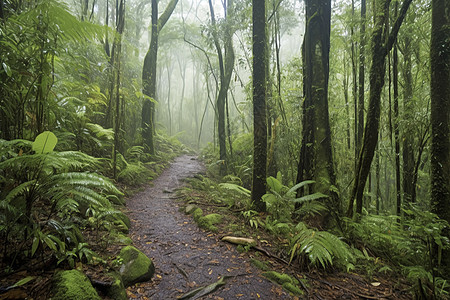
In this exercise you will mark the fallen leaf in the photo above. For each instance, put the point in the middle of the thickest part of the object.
(375, 283)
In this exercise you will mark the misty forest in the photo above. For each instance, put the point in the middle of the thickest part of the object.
(224, 149)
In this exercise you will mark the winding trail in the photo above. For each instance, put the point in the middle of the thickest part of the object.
(185, 256)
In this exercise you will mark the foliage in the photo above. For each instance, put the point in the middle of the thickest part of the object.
(319, 247)
(44, 193)
(280, 200)
(413, 244)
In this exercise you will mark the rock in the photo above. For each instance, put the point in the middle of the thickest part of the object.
(190, 209)
(197, 213)
(117, 290)
(136, 266)
(73, 285)
(208, 221)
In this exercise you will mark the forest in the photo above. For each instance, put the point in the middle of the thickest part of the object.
(232, 149)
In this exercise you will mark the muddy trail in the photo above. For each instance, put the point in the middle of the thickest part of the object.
(185, 256)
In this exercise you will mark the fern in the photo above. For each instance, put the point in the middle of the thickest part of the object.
(321, 247)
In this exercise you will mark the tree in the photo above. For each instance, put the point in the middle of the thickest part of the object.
(440, 113)
(316, 160)
(382, 42)
(149, 74)
(226, 64)
(259, 104)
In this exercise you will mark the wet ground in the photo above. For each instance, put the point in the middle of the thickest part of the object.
(185, 256)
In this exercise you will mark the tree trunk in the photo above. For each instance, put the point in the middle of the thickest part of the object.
(259, 104)
(440, 113)
(408, 130)
(381, 45)
(316, 160)
(149, 75)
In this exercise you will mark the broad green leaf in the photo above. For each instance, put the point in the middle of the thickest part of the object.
(45, 142)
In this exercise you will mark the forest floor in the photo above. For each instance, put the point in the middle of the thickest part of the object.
(187, 257)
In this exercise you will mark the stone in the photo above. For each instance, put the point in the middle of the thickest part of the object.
(73, 285)
(190, 208)
(117, 290)
(135, 266)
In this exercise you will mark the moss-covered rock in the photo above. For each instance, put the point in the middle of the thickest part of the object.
(73, 285)
(190, 208)
(207, 222)
(135, 266)
(197, 213)
(117, 290)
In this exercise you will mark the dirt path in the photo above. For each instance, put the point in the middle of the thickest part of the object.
(185, 256)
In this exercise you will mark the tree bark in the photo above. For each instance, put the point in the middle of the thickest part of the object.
(316, 161)
(259, 104)
(440, 113)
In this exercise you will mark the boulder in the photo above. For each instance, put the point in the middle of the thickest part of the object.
(135, 266)
(117, 290)
(73, 285)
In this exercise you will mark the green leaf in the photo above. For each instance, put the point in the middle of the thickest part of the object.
(7, 69)
(311, 197)
(45, 142)
(22, 282)
(299, 185)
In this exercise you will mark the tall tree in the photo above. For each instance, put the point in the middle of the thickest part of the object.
(382, 42)
(226, 65)
(259, 104)
(316, 160)
(149, 74)
(440, 113)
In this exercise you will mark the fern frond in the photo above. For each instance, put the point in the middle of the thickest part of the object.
(300, 185)
(319, 246)
(310, 197)
(236, 188)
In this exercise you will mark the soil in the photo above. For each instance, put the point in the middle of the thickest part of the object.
(185, 256)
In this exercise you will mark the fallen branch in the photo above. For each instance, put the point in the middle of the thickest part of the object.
(252, 243)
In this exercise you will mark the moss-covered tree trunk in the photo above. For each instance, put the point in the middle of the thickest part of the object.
(259, 104)
(149, 74)
(440, 113)
(382, 43)
(316, 160)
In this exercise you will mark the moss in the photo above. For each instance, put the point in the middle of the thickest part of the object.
(260, 264)
(207, 222)
(197, 213)
(117, 290)
(73, 285)
(292, 288)
(278, 277)
(123, 239)
(136, 266)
